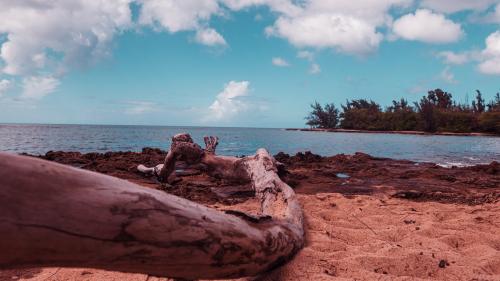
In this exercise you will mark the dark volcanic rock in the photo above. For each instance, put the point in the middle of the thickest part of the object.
(309, 173)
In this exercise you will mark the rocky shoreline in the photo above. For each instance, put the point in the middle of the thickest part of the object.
(308, 173)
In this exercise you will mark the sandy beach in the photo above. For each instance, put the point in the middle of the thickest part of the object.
(367, 218)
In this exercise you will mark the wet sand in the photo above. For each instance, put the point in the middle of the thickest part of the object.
(367, 218)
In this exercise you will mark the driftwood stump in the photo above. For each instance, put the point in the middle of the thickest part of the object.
(55, 215)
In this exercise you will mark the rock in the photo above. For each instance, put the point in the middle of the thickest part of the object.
(443, 263)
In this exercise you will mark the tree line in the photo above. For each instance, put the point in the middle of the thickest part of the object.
(435, 112)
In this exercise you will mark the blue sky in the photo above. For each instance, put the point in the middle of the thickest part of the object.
(255, 63)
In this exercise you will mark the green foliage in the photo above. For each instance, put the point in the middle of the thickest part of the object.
(426, 112)
(434, 112)
(440, 99)
(478, 104)
(490, 122)
(361, 115)
(455, 121)
(325, 118)
(494, 105)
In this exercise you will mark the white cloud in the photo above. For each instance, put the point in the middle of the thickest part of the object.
(447, 76)
(41, 40)
(429, 27)
(346, 26)
(71, 30)
(140, 107)
(344, 33)
(277, 61)
(454, 58)
(37, 87)
(4, 86)
(174, 15)
(452, 6)
(375, 13)
(286, 7)
(488, 59)
(229, 102)
(45, 39)
(495, 17)
(187, 15)
(314, 69)
(54, 36)
(209, 37)
(305, 55)
(490, 63)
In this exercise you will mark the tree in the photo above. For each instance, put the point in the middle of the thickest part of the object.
(494, 105)
(478, 105)
(400, 116)
(325, 118)
(437, 111)
(401, 105)
(490, 122)
(362, 104)
(332, 116)
(426, 111)
(315, 116)
(362, 114)
(440, 98)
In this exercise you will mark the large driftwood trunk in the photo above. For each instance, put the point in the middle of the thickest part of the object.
(54, 215)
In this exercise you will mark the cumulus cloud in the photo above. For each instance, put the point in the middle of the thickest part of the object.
(314, 68)
(286, 7)
(230, 102)
(186, 15)
(71, 30)
(427, 26)
(447, 76)
(174, 15)
(344, 33)
(346, 26)
(305, 55)
(495, 16)
(41, 40)
(372, 12)
(277, 61)
(209, 37)
(447, 6)
(490, 61)
(37, 87)
(450, 57)
(4, 86)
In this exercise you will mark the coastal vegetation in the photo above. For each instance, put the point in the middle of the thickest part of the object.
(435, 112)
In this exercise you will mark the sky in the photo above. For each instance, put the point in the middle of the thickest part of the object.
(248, 63)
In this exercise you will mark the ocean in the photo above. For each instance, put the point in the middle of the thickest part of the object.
(443, 150)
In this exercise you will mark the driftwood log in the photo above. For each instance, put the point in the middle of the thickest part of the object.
(55, 215)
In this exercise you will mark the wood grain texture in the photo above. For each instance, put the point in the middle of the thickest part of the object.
(55, 215)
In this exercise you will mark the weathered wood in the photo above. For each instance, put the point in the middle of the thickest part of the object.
(54, 215)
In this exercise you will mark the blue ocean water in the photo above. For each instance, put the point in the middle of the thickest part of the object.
(445, 150)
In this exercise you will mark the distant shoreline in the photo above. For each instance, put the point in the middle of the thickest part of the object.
(473, 134)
